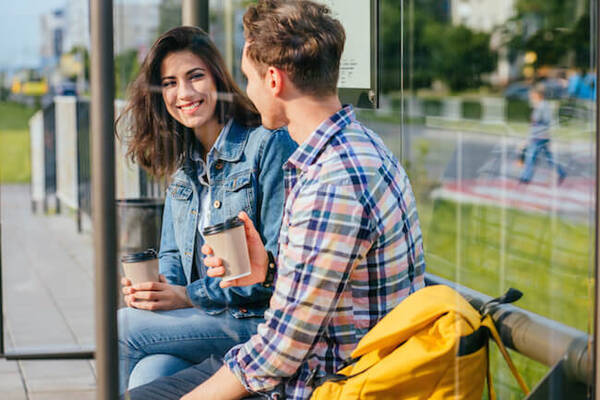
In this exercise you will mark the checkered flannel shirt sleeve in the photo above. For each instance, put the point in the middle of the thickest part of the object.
(327, 235)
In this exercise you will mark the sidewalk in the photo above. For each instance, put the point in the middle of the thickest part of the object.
(47, 272)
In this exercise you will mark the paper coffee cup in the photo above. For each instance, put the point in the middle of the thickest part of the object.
(228, 241)
(141, 267)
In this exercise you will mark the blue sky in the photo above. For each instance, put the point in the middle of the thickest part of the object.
(19, 31)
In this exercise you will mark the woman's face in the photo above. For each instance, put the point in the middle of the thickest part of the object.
(188, 89)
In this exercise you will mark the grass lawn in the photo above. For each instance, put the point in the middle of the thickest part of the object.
(490, 249)
(14, 156)
(14, 143)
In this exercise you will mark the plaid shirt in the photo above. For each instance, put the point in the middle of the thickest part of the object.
(350, 250)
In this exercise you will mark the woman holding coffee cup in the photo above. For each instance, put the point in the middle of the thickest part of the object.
(190, 121)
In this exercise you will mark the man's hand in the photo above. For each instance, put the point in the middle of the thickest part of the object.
(155, 296)
(256, 250)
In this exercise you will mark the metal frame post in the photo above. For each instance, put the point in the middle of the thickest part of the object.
(195, 13)
(596, 334)
(103, 196)
(1, 292)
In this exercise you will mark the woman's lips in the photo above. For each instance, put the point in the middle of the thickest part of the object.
(190, 108)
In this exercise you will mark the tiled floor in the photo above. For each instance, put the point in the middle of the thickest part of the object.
(47, 272)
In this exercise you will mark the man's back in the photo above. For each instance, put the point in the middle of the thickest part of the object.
(350, 251)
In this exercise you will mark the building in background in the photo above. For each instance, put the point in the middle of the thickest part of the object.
(135, 24)
(77, 24)
(52, 29)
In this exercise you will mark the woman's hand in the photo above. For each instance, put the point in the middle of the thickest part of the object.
(256, 250)
(155, 296)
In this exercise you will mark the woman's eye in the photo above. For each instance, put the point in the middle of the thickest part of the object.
(197, 76)
(166, 84)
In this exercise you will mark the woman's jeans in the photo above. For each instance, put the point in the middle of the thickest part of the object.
(160, 343)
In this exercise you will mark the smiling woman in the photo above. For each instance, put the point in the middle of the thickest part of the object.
(190, 121)
(190, 95)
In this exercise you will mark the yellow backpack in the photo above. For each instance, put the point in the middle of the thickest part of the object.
(433, 345)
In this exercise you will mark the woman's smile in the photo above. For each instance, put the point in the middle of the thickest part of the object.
(190, 108)
(188, 89)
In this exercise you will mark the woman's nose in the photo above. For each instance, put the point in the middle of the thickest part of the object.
(185, 90)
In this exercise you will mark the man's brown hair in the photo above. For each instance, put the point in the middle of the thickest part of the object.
(298, 36)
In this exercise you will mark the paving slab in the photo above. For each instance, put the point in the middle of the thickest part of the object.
(48, 300)
(75, 395)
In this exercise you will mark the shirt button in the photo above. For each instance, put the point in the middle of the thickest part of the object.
(217, 204)
(219, 165)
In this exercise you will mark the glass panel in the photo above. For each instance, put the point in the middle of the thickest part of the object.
(498, 137)
(46, 248)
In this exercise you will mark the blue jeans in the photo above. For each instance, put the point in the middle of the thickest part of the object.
(160, 343)
(534, 148)
(175, 386)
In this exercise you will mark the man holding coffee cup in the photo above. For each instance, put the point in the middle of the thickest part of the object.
(350, 245)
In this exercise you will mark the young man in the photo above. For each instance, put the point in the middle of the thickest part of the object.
(350, 243)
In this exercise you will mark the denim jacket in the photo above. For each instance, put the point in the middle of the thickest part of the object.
(245, 174)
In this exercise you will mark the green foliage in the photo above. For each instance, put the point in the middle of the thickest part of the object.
(417, 54)
(4, 91)
(459, 56)
(127, 68)
(472, 109)
(434, 48)
(557, 31)
(555, 13)
(169, 15)
(518, 110)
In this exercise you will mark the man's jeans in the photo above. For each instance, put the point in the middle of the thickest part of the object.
(160, 343)
(175, 386)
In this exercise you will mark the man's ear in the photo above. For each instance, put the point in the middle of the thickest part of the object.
(275, 80)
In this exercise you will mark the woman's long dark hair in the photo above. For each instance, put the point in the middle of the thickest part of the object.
(158, 142)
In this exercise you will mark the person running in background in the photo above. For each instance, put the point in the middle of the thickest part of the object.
(539, 136)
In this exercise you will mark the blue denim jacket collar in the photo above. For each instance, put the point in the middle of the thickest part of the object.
(229, 147)
(231, 142)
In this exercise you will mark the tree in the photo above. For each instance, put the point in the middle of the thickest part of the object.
(169, 15)
(4, 92)
(126, 69)
(418, 14)
(557, 31)
(459, 56)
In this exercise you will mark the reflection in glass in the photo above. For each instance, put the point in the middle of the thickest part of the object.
(504, 182)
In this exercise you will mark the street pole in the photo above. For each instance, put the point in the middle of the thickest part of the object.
(195, 13)
(103, 197)
(596, 334)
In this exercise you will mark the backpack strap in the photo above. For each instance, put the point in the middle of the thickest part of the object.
(315, 379)
(487, 323)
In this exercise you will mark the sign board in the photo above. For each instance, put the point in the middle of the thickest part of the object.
(358, 81)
